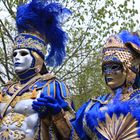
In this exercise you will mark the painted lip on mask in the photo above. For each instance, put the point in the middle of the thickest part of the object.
(109, 79)
(17, 64)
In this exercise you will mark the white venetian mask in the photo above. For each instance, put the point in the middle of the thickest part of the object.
(22, 60)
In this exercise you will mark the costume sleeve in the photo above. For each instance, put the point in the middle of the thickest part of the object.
(92, 115)
(77, 123)
(62, 120)
(80, 123)
(65, 127)
(60, 92)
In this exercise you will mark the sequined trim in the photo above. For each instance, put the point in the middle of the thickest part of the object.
(123, 56)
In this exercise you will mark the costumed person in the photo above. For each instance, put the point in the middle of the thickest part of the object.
(115, 116)
(37, 107)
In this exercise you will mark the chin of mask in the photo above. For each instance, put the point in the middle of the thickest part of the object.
(22, 60)
(115, 75)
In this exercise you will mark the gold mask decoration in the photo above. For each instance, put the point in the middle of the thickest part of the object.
(116, 52)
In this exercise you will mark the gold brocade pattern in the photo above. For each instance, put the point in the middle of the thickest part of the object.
(16, 135)
(24, 42)
(12, 118)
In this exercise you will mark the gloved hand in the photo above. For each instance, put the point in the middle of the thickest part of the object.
(46, 105)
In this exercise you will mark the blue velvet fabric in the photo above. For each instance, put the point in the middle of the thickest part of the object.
(28, 74)
(77, 123)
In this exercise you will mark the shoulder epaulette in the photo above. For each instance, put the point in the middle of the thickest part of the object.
(50, 89)
(43, 81)
(63, 88)
(53, 87)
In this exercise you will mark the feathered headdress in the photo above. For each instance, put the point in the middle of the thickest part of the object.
(116, 51)
(124, 48)
(130, 37)
(131, 40)
(39, 23)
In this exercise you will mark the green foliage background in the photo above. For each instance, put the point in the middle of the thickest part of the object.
(91, 23)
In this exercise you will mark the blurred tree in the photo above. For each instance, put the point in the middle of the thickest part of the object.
(91, 22)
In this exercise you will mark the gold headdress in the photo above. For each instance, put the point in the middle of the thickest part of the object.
(123, 48)
(116, 51)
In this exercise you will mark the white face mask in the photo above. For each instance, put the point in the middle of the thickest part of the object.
(22, 60)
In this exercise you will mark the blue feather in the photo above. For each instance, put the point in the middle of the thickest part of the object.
(130, 106)
(129, 37)
(118, 94)
(46, 18)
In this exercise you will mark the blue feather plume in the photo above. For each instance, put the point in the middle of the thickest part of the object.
(46, 18)
(129, 37)
(126, 36)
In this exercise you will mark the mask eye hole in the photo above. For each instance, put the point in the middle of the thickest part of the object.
(112, 67)
(104, 68)
(14, 54)
(116, 67)
(23, 53)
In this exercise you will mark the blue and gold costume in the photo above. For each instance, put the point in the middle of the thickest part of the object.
(20, 112)
(115, 116)
(38, 106)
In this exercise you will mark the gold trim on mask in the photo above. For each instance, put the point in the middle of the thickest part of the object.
(38, 60)
(124, 56)
(115, 47)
